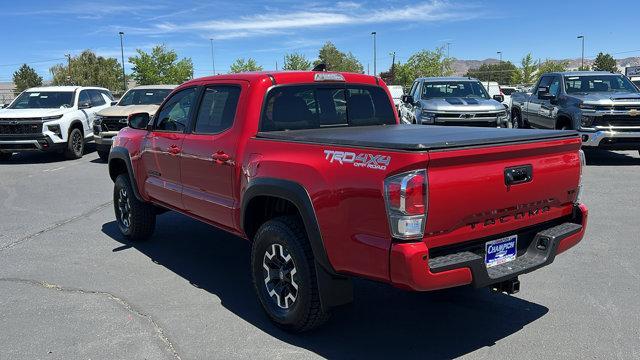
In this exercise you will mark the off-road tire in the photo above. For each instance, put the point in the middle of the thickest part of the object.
(139, 219)
(104, 155)
(5, 156)
(516, 121)
(288, 233)
(75, 144)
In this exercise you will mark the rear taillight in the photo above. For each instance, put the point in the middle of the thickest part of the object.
(406, 200)
(583, 163)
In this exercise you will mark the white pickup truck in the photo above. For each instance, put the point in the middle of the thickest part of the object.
(54, 118)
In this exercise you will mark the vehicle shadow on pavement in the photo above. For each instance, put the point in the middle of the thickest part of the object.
(599, 157)
(383, 322)
(42, 157)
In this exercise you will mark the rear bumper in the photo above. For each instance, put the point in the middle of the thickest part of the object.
(611, 139)
(413, 269)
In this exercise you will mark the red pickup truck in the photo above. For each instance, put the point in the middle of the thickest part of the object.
(314, 169)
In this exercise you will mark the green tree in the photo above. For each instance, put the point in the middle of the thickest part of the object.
(337, 60)
(161, 66)
(527, 70)
(25, 77)
(504, 73)
(88, 69)
(551, 66)
(424, 63)
(242, 65)
(605, 62)
(296, 61)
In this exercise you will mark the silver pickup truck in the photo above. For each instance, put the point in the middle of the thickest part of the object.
(603, 107)
(457, 101)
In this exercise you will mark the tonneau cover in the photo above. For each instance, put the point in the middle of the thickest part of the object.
(415, 137)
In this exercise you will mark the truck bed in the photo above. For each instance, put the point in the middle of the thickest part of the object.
(415, 138)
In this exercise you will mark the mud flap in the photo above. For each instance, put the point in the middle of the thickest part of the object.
(334, 290)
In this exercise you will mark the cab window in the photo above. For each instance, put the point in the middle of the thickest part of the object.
(176, 112)
(217, 109)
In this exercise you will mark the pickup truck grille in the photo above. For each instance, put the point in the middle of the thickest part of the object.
(616, 120)
(18, 127)
(467, 115)
(113, 123)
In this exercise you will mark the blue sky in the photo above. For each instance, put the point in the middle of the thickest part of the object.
(41, 32)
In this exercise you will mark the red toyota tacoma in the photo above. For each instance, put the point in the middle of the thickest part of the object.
(314, 169)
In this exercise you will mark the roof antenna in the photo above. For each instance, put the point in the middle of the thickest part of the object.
(320, 67)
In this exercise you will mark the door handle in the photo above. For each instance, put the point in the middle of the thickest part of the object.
(220, 157)
(174, 149)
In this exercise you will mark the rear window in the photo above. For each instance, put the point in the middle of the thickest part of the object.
(508, 91)
(317, 106)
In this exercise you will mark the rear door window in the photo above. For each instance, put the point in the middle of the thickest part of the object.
(217, 109)
(314, 106)
(96, 98)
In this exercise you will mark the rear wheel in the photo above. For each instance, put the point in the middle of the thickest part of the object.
(284, 276)
(136, 219)
(5, 156)
(75, 145)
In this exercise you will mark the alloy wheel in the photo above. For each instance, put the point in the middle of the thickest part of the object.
(76, 142)
(279, 276)
(124, 208)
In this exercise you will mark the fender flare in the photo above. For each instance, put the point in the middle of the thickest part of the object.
(335, 289)
(121, 153)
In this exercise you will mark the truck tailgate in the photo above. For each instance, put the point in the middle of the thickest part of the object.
(469, 197)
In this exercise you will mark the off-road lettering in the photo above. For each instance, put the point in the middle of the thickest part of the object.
(370, 161)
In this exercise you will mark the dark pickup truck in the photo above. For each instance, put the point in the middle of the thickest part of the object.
(603, 107)
(314, 169)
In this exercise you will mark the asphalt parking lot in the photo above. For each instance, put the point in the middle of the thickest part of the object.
(72, 287)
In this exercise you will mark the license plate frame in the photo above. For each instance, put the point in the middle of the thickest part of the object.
(500, 251)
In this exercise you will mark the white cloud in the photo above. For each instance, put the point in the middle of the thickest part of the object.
(344, 13)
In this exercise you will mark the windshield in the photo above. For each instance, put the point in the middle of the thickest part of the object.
(598, 83)
(144, 97)
(318, 106)
(449, 89)
(43, 100)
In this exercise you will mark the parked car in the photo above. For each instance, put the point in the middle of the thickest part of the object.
(492, 87)
(452, 101)
(54, 118)
(396, 92)
(328, 190)
(603, 107)
(112, 119)
(507, 91)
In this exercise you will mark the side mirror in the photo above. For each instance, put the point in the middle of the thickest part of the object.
(138, 120)
(407, 99)
(113, 103)
(84, 105)
(543, 93)
(498, 98)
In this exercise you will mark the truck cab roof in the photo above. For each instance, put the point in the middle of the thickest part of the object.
(290, 77)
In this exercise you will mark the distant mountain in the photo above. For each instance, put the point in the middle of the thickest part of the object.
(460, 67)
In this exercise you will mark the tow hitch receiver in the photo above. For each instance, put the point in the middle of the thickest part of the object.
(511, 286)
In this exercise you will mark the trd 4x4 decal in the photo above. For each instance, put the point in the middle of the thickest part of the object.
(370, 161)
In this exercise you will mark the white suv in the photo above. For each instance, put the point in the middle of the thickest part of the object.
(54, 118)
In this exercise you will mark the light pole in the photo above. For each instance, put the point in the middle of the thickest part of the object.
(68, 56)
(448, 44)
(124, 77)
(375, 68)
(582, 61)
(499, 54)
(213, 62)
